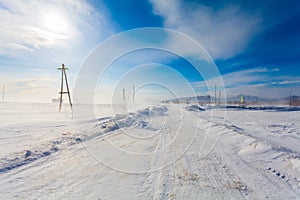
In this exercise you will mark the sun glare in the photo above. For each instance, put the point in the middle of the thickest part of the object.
(56, 23)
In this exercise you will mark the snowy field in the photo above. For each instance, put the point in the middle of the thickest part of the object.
(157, 152)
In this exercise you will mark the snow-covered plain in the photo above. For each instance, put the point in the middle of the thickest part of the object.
(158, 152)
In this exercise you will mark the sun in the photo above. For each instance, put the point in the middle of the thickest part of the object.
(55, 22)
(54, 28)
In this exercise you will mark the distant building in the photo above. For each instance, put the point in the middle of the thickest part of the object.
(55, 100)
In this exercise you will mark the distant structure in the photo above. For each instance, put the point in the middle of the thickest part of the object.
(133, 93)
(242, 102)
(124, 97)
(55, 100)
(290, 97)
(64, 77)
(215, 94)
(3, 96)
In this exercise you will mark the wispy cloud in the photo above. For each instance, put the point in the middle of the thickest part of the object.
(29, 89)
(37, 36)
(223, 32)
(34, 25)
(256, 81)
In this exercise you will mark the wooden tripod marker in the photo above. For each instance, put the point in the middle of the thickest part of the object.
(64, 74)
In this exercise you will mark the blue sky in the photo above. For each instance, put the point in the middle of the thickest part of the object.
(255, 44)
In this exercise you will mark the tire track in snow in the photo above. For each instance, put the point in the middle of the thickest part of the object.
(210, 173)
(263, 184)
(152, 178)
(263, 180)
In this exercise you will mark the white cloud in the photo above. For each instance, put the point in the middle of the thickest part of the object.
(264, 90)
(34, 25)
(265, 69)
(224, 32)
(24, 89)
(287, 82)
(236, 78)
(255, 81)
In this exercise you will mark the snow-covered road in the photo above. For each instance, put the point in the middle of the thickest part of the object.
(164, 152)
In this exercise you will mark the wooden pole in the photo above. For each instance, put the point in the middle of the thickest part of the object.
(68, 91)
(290, 94)
(215, 94)
(124, 97)
(3, 93)
(133, 94)
(61, 86)
(64, 74)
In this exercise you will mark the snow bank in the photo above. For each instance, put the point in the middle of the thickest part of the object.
(257, 155)
(196, 108)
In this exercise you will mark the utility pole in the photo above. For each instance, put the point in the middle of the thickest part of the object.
(3, 93)
(133, 93)
(124, 97)
(290, 95)
(215, 94)
(64, 76)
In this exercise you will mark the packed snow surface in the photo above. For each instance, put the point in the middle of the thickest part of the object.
(150, 152)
